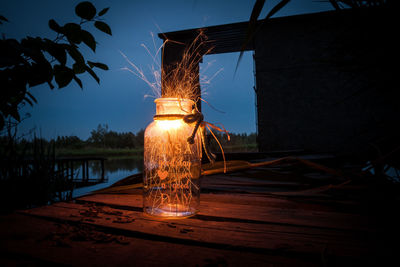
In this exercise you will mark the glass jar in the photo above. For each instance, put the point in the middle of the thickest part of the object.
(172, 166)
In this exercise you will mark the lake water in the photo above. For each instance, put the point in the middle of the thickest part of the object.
(115, 169)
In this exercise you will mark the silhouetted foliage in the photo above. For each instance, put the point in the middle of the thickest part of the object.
(253, 28)
(37, 60)
(341, 4)
(28, 174)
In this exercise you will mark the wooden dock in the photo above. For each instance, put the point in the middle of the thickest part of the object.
(75, 169)
(68, 165)
(265, 216)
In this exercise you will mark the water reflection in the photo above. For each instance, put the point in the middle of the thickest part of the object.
(115, 169)
(114, 165)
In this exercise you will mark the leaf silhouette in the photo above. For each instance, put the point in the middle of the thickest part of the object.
(103, 11)
(63, 75)
(85, 10)
(102, 26)
(78, 81)
(73, 32)
(88, 39)
(98, 65)
(93, 74)
(54, 26)
(3, 18)
(252, 28)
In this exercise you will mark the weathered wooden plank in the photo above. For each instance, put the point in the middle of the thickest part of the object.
(321, 192)
(279, 201)
(31, 241)
(262, 238)
(266, 181)
(257, 209)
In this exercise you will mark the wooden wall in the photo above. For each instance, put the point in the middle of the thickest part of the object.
(325, 82)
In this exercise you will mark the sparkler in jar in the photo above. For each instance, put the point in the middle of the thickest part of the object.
(173, 141)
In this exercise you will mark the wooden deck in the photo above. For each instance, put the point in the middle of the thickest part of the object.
(258, 217)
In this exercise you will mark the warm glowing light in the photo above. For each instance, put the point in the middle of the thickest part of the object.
(172, 146)
(172, 166)
(167, 125)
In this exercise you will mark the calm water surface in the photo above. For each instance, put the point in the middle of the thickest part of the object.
(115, 169)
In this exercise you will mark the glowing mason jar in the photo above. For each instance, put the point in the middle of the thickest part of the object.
(172, 166)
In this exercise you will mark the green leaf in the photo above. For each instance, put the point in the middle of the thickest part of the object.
(39, 73)
(276, 8)
(255, 13)
(63, 75)
(54, 26)
(78, 81)
(103, 11)
(14, 113)
(76, 55)
(78, 68)
(73, 32)
(251, 29)
(56, 50)
(32, 47)
(335, 4)
(5, 19)
(103, 27)
(10, 53)
(31, 97)
(72, 27)
(98, 65)
(88, 39)
(93, 74)
(29, 101)
(50, 85)
(85, 10)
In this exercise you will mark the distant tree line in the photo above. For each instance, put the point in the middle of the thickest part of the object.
(103, 137)
(238, 142)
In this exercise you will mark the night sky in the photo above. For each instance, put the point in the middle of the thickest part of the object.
(119, 99)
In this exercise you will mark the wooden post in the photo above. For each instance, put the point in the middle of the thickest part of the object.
(87, 169)
(65, 169)
(83, 170)
(71, 169)
(102, 169)
(172, 54)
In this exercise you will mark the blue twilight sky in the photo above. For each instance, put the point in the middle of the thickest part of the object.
(119, 99)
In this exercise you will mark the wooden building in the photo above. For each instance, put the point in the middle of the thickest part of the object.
(325, 82)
